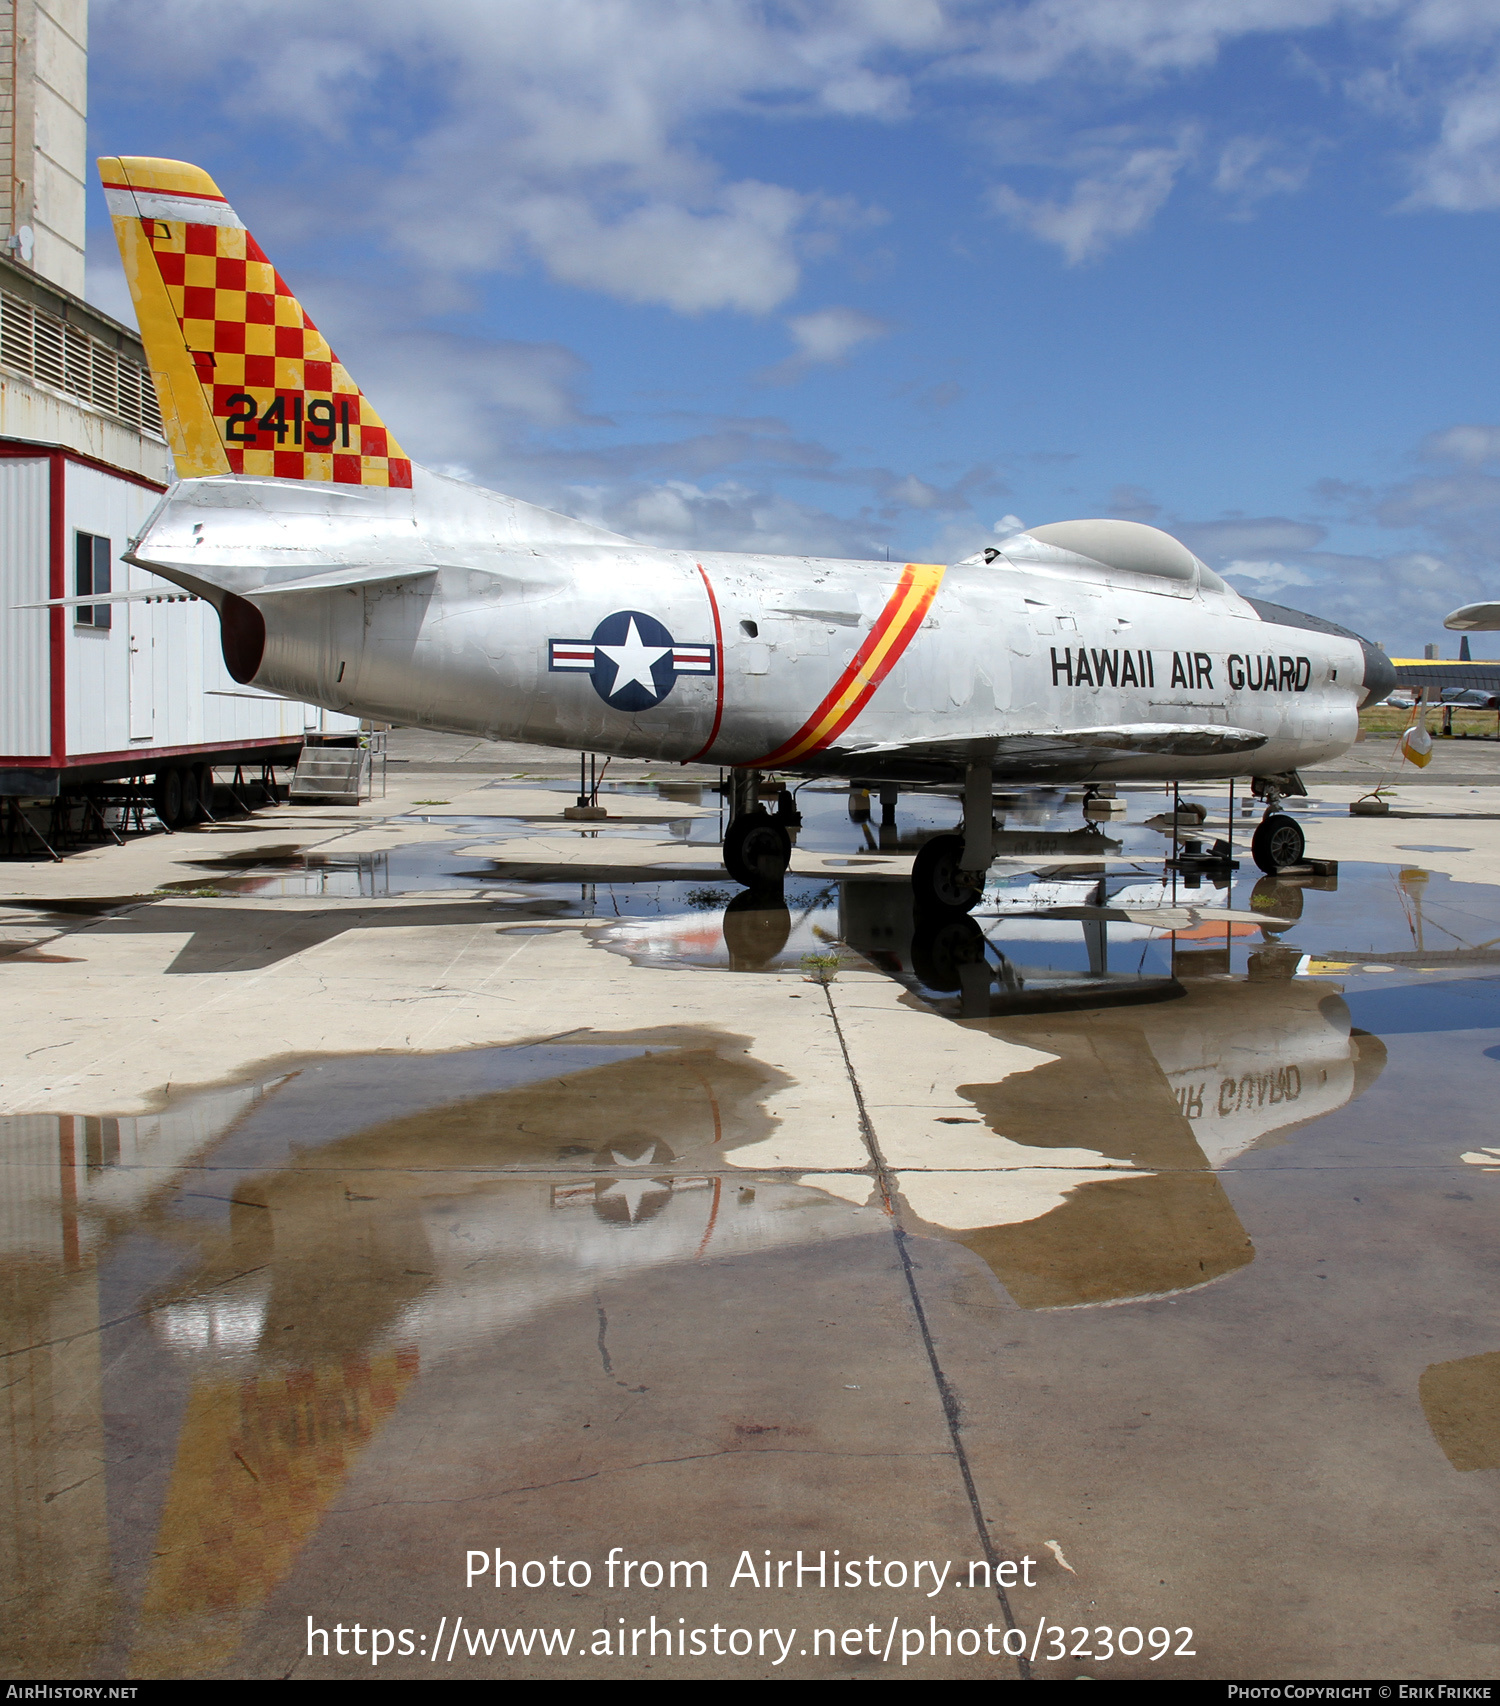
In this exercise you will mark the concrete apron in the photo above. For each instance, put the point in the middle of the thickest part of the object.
(392, 1234)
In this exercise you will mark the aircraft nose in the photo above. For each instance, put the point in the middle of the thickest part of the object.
(1380, 673)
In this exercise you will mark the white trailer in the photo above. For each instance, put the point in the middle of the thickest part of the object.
(127, 692)
(113, 690)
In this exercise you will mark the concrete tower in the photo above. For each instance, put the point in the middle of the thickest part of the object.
(43, 136)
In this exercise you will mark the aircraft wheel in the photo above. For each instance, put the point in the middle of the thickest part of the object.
(191, 805)
(757, 850)
(1280, 901)
(1277, 843)
(166, 797)
(941, 947)
(756, 927)
(935, 876)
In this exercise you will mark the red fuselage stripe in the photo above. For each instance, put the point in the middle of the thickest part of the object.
(713, 733)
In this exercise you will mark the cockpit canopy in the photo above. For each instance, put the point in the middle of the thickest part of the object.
(1119, 551)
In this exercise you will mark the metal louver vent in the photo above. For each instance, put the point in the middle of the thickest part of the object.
(45, 348)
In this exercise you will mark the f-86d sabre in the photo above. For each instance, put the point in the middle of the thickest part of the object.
(345, 575)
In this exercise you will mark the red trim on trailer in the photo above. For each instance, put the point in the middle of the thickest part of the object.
(57, 471)
(29, 447)
(149, 754)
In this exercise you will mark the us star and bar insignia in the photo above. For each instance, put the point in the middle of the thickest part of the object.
(632, 660)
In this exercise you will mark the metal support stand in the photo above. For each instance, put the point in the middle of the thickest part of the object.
(1190, 857)
(19, 820)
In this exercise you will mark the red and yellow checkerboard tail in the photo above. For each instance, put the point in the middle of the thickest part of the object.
(247, 383)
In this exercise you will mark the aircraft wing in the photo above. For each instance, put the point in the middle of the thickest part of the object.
(1043, 754)
(1474, 617)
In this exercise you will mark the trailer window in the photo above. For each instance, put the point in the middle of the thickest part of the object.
(92, 560)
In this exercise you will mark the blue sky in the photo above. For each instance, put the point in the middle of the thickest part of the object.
(891, 274)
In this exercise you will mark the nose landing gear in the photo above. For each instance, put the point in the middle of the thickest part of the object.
(1278, 841)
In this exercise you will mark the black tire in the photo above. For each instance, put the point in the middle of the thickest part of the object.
(1279, 901)
(166, 797)
(757, 850)
(934, 877)
(192, 808)
(206, 786)
(941, 946)
(1277, 843)
(757, 926)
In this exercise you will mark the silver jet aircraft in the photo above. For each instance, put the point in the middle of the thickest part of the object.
(345, 575)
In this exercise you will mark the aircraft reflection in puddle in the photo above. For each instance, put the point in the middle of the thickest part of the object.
(1087, 908)
(331, 1232)
(1163, 1075)
(328, 1233)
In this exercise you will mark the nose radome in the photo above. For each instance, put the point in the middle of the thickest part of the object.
(1380, 673)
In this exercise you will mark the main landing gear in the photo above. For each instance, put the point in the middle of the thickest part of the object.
(948, 873)
(758, 844)
(1278, 841)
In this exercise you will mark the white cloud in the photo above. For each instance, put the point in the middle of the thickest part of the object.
(1467, 444)
(830, 333)
(1451, 517)
(1103, 207)
(1460, 173)
(737, 254)
(565, 131)
(729, 516)
(1247, 536)
(823, 338)
(1264, 578)
(577, 134)
(1254, 167)
(1141, 38)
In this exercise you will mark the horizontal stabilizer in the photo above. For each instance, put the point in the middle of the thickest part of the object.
(137, 597)
(265, 698)
(352, 576)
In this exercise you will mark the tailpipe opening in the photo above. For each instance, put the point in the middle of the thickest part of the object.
(242, 636)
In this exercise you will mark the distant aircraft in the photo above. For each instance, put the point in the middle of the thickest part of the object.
(347, 576)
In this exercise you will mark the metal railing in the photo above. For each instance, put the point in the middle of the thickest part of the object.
(45, 348)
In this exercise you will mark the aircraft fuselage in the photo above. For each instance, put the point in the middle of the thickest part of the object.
(796, 663)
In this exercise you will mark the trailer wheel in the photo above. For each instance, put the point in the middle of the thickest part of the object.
(206, 785)
(191, 807)
(166, 797)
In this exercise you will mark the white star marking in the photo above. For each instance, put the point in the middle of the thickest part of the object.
(633, 661)
(633, 1192)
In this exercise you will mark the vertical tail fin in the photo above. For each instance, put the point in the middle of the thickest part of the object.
(247, 383)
